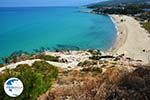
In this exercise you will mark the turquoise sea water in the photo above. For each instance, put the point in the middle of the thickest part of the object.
(54, 27)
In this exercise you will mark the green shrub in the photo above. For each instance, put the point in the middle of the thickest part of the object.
(49, 58)
(3, 78)
(95, 57)
(87, 63)
(16, 57)
(147, 26)
(95, 52)
(36, 79)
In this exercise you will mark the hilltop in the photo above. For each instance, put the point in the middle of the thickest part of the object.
(139, 9)
(118, 2)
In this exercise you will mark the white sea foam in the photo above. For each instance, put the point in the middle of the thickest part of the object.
(115, 23)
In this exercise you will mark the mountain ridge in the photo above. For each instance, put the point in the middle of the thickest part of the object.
(118, 2)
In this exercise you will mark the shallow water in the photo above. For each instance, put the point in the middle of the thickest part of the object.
(54, 28)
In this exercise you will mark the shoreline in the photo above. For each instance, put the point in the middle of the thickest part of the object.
(132, 40)
(113, 47)
(115, 23)
(120, 38)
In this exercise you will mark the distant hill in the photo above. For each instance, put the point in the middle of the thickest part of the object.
(117, 2)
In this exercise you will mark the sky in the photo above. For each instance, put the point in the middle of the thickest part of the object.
(22, 3)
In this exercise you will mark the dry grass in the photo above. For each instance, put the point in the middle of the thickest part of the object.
(76, 85)
(113, 84)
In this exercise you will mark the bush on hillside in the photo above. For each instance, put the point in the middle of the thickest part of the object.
(87, 63)
(146, 25)
(49, 58)
(36, 79)
(95, 52)
(16, 57)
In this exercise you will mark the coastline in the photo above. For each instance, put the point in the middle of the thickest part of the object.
(121, 38)
(115, 23)
(132, 40)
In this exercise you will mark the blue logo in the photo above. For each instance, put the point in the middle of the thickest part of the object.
(13, 87)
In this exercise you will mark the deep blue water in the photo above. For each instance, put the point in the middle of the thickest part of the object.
(54, 27)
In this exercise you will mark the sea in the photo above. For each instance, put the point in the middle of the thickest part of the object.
(54, 28)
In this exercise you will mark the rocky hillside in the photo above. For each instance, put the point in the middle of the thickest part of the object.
(79, 75)
(111, 81)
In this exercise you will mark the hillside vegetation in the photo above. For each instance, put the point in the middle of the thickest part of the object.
(98, 77)
(114, 84)
(139, 9)
(146, 25)
(36, 79)
(117, 2)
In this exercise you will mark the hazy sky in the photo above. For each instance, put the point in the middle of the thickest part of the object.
(14, 3)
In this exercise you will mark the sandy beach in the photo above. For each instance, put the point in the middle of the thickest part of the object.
(132, 39)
